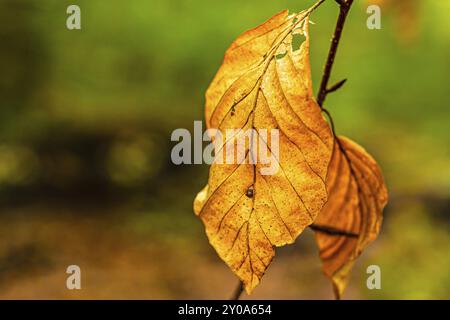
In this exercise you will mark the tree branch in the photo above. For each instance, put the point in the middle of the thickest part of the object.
(344, 7)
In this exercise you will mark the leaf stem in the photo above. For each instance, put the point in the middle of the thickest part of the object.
(333, 231)
(344, 7)
(238, 291)
(315, 6)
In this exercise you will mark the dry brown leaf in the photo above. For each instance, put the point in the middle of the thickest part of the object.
(356, 197)
(264, 83)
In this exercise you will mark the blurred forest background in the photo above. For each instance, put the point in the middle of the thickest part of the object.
(85, 124)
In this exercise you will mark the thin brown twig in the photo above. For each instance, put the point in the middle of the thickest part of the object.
(333, 231)
(336, 86)
(344, 7)
(238, 291)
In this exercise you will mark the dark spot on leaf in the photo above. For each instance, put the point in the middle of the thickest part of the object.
(249, 193)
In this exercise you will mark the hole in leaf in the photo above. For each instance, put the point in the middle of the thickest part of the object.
(281, 55)
(297, 40)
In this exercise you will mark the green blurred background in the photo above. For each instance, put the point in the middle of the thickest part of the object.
(85, 123)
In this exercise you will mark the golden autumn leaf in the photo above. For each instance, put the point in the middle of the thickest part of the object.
(265, 83)
(351, 218)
